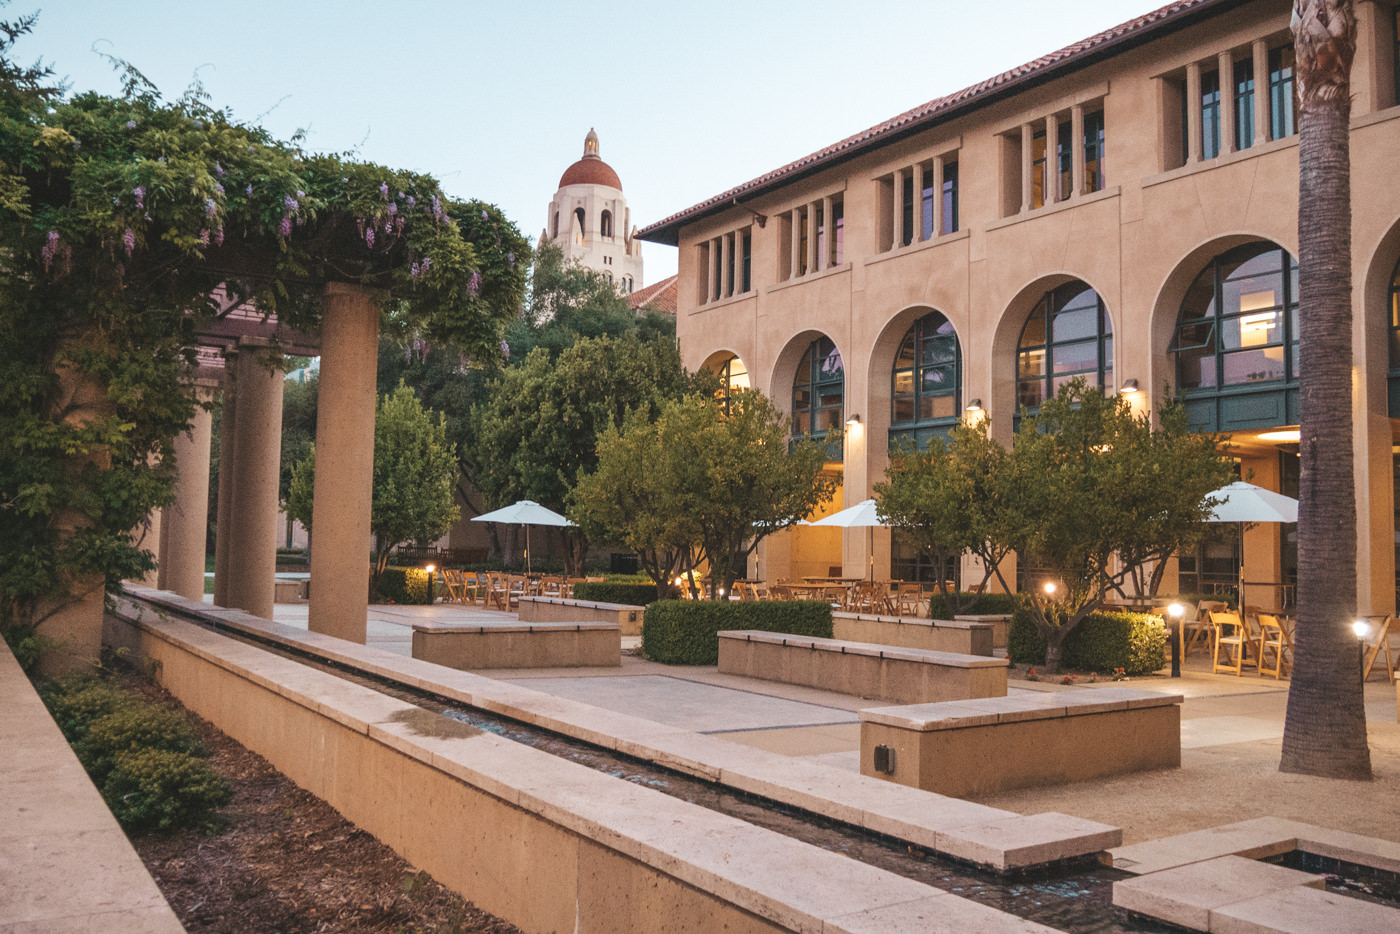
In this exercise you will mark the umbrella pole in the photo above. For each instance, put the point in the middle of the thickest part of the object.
(527, 549)
(870, 554)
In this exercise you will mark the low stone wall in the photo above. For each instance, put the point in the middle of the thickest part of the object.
(963, 748)
(905, 676)
(517, 645)
(543, 842)
(66, 864)
(561, 610)
(1000, 623)
(934, 635)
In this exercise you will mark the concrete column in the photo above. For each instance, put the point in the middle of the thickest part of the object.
(252, 562)
(147, 537)
(812, 237)
(1052, 159)
(898, 210)
(228, 433)
(795, 244)
(722, 243)
(1027, 159)
(937, 197)
(1193, 113)
(1076, 144)
(1226, 66)
(344, 462)
(183, 544)
(711, 293)
(1260, 51)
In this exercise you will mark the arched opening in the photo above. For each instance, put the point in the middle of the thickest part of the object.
(580, 232)
(925, 383)
(1067, 334)
(554, 226)
(733, 375)
(606, 224)
(1393, 330)
(818, 392)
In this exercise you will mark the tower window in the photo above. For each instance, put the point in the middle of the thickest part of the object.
(607, 224)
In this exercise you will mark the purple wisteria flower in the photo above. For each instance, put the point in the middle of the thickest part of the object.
(505, 350)
(510, 258)
(300, 193)
(131, 124)
(290, 203)
(129, 241)
(393, 208)
(427, 261)
(369, 237)
(285, 227)
(474, 283)
(211, 207)
(384, 189)
(248, 190)
(410, 201)
(485, 216)
(204, 237)
(437, 209)
(414, 271)
(140, 192)
(219, 188)
(219, 236)
(218, 170)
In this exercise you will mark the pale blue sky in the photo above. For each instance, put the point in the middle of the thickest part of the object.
(494, 99)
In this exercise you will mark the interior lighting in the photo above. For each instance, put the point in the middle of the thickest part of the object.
(975, 405)
(1129, 387)
(1289, 435)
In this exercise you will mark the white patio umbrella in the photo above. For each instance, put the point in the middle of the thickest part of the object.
(527, 513)
(1242, 503)
(860, 515)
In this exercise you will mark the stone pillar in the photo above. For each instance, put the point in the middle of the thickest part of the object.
(1076, 148)
(252, 560)
(1027, 165)
(1226, 66)
(1052, 159)
(223, 519)
(1261, 91)
(147, 536)
(937, 228)
(183, 542)
(795, 245)
(898, 208)
(345, 462)
(1193, 113)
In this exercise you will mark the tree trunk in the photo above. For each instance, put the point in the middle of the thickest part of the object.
(1325, 730)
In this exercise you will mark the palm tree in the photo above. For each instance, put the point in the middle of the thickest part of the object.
(1325, 730)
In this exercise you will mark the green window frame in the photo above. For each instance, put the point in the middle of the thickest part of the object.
(1067, 334)
(926, 382)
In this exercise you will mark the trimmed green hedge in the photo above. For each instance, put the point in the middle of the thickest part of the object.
(406, 585)
(988, 604)
(683, 632)
(1135, 642)
(613, 592)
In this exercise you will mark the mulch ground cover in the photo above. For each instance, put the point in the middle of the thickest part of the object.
(287, 862)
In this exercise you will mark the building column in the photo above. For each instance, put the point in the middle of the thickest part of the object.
(1261, 91)
(252, 560)
(1027, 165)
(795, 245)
(1052, 159)
(1226, 67)
(812, 237)
(228, 440)
(898, 210)
(340, 514)
(937, 230)
(184, 540)
(1076, 148)
(1193, 113)
(829, 238)
(722, 243)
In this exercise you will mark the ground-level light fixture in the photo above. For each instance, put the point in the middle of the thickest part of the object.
(853, 421)
(430, 568)
(1050, 588)
(1363, 631)
(1176, 611)
(1129, 387)
(1361, 628)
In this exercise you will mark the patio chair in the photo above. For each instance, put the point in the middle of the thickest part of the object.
(1231, 634)
(908, 598)
(1272, 636)
(1386, 629)
(452, 583)
(1198, 627)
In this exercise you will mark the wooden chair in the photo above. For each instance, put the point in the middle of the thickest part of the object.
(452, 583)
(908, 598)
(1199, 628)
(1386, 629)
(1272, 636)
(1230, 633)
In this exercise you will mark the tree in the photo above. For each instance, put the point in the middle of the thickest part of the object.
(714, 482)
(1092, 489)
(415, 470)
(1325, 728)
(949, 499)
(537, 432)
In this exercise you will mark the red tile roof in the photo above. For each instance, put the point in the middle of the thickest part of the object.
(590, 170)
(659, 297)
(1171, 17)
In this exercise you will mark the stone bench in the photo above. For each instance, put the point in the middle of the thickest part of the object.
(565, 610)
(934, 635)
(880, 671)
(1025, 740)
(1000, 623)
(513, 644)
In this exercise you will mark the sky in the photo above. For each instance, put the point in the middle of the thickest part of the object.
(494, 98)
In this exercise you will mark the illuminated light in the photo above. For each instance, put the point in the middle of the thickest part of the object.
(430, 568)
(975, 405)
(1050, 588)
(853, 421)
(1361, 628)
(1129, 387)
(1177, 610)
(1289, 434)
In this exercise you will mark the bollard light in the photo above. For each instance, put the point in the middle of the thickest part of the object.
(1361, 628)
(1050, 588)
(430, 568)
(1176, 611)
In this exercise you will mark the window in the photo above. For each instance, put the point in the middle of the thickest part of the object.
(907, 209)
(1283, 105)
(554, 225)
(579, 233)
(725, 265)
(1094, 163)
(1210, 114)
(838, 239)
(908, 562)
(606, 224)
(1064, 161)
(1067, 334)
(745, 261)
(1038, 169)
(802, 241)
(926, 205)
(926, 382)
(1394, 334)
(1395, 58)
(1239, 322)
(1244, 104)
(732, 375)
(950, 197)
(818, 390)
(811, 237)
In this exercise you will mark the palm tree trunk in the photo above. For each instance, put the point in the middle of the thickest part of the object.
(1325, 730)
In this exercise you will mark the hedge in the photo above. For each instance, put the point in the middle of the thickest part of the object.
(612, 592)
(683, 632)
(406, 585)
(1135, 642)
(987, 604)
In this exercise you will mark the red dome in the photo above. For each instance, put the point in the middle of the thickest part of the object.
(590, 170)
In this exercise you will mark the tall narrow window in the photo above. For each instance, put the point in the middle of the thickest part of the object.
(733, 375)
(1395, 59)
(717, 287)
(1210, 115)
(731, 284)
(1067, 334)
(838, 232)
(820, 223)
(1094, 177)
(746, 260)
(818, 389)
(579, 233)
(802, 242)
(605, 224)
(907, 202)
(925, 382)
(950, 197)
(1064, 161)
(554, 226)
(1283, 107)
(1244, 104)
(1038, 169)
(927, 204)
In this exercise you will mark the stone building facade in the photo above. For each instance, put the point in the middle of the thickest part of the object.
(589, 219)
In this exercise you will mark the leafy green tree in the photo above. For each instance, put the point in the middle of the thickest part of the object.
(949, 499)
(698, 485)
(415, 471)
(537, 431)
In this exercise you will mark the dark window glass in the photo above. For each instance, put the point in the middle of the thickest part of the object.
(1395, 320)
(802, 246)
(1210, 115)
(926, 380)
(818, 389)
(950, 197)
(838, 244)
(1244, 104)
(1064, 160)
(927, 204)
(1038, 169)
(907, 236)
(1238, 321)
(1283, 107)
(605, 224)
(820, 224)
(1066, 335)
(1094, 177)
(747, 266)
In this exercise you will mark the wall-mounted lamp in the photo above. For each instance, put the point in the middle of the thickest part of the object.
(853, 421)
(975, 405)
(1130, 386)
(760, 219)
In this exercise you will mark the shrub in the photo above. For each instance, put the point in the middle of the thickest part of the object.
(406, 585)
(1135, 642)
(986, 604)
(611, 592)
(77, 701)
(131, 728)
(683, 632)
(157, 789)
